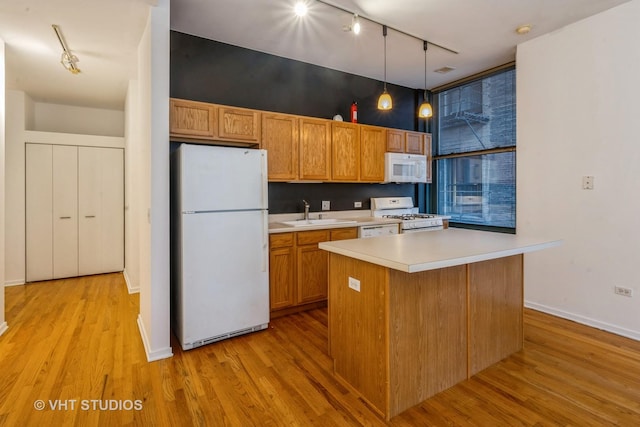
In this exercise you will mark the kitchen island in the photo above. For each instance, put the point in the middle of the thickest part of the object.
(413, 314)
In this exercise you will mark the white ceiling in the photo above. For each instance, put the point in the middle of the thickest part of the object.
(104, 34)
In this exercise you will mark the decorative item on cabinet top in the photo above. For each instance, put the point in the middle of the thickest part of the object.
(300, 148)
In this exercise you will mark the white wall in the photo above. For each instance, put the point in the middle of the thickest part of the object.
(153, 90)
(80, 120)
(132, 191)
(3, 323)
(20, 115)
(578, 102)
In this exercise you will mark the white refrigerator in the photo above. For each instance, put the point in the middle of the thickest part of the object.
(219, 256)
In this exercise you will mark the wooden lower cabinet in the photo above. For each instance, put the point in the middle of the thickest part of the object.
(298, 277)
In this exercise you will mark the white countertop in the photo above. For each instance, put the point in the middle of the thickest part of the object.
(415, 252)
(275, 226)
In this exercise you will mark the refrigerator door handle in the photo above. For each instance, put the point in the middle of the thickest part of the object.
(265, 241)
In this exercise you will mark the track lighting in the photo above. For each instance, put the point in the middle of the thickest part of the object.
(425, 110)
(385, 102)
(68, 60)
(355, 24)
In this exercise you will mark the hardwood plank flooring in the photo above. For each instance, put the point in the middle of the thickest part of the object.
(77, 339)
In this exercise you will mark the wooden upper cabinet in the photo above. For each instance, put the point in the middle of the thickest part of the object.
(414, 143)
(345, 151)
(192, 119)
(428, 148)
(372, 148)
(395, 141)
(239, 124)
(280, 137)
(315, 149)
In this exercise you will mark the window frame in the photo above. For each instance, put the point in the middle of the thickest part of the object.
(432, 193)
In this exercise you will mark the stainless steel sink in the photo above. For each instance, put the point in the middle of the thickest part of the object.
(315, 222)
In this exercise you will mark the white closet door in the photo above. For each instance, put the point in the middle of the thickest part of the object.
(89, 211)
(101, 210)
(113, 210)
(65, 211)
(39, 212)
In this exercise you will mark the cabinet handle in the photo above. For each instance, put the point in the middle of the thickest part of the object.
(89, 216)
(65, 217)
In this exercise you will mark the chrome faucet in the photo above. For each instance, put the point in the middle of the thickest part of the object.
(306, 210)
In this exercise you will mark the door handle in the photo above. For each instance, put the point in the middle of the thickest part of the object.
(65, 217)
(89, 216)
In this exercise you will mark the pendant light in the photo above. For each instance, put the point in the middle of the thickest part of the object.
(425, 110)
(385, 102)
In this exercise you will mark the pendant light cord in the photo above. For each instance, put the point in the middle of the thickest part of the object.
(426, 45)
(384, 33)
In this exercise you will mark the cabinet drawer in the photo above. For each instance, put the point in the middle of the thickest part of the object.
(344, 233)
(310, 237)
(281, 240)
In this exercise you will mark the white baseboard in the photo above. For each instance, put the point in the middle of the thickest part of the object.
(3, 328)
(130, 288)
(152, 356)
(584, 320)
(14, 282)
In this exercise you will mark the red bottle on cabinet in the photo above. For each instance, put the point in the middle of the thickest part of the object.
(354, 112)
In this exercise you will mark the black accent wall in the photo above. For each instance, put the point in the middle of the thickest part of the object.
(211, 71)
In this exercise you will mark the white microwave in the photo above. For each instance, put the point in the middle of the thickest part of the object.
(400, 167)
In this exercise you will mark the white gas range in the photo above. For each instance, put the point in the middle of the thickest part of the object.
(402, 208)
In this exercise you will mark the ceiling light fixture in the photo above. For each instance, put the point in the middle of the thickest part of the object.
(523, 29)
(355, 24)
(385, 102)
(425, 110)
(68, 60)
(301, 8)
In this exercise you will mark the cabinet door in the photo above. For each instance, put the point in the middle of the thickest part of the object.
(192, 119)
(312, 273)
(315, 149)
(39, 212)
(238, 124)
(372, 149)
(101, 210)
(280, 138)
(65, 211)
(428, 148)
(282, 277)
(415, 143)
(345, 151)
(395, 141)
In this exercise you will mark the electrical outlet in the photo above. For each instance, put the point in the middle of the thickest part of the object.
(326, 205)
(357, 204)
(587, 182)
(354, 284)
(625, 292)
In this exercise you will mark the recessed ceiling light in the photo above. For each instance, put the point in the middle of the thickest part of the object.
(523, 29)
(445, 69)
(301, 8)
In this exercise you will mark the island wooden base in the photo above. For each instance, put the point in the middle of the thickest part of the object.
(407, 336)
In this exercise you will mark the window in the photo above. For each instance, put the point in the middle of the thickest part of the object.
(475, 152)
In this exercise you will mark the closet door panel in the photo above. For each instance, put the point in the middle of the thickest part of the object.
(65, 211)
(101, 210)
(89, 211)
(112, 210)
(39, 212)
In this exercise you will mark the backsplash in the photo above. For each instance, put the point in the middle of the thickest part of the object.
(287, 197)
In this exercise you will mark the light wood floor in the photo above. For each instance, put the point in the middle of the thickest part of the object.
(78, 339)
